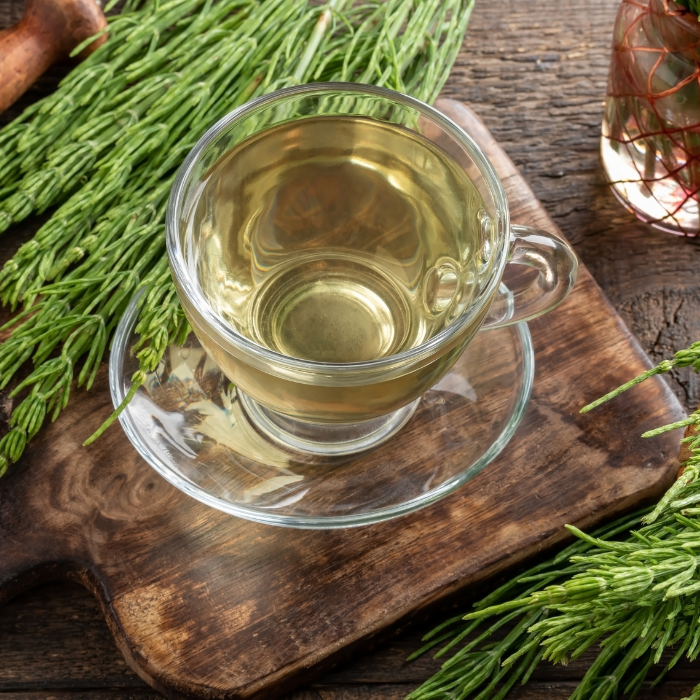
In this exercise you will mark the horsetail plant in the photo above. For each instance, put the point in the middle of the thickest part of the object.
(692, 5)
(633, 593)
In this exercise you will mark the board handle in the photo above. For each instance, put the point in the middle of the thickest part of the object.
(48, 31)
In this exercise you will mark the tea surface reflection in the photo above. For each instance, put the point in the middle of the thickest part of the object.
(337, 239)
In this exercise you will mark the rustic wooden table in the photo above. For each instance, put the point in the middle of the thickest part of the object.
(535, 70)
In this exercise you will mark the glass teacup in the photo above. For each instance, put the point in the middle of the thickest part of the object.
(335, 248)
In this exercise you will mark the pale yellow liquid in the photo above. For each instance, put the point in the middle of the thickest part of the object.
(339, 240)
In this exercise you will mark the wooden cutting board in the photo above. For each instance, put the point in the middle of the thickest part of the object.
(205, 605)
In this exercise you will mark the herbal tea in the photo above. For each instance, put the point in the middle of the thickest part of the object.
(337, 239)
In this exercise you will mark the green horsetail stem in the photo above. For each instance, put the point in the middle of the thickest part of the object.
(689, 357)
(692, 5)
(632, 593)
(105, 147)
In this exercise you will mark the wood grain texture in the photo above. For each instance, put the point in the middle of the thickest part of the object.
(535, 71)
(205, 605)
(69, 664)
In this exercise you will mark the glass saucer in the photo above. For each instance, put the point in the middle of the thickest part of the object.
(189, 424)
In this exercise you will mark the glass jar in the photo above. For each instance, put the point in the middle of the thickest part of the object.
(651, 129)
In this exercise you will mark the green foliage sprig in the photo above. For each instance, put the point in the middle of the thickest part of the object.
(634, 594)
(104, 149)
(692, 5)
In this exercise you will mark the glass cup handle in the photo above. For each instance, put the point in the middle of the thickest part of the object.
(556, 265)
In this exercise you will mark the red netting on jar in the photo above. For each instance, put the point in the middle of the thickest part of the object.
(653, 108)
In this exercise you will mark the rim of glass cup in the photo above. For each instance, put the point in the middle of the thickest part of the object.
(159, 462)
(417, 353)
